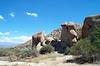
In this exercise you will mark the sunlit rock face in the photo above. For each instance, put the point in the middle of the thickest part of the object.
(48, 40)
(38, 37)
(68, 34)
(39, 40)
(88, 25)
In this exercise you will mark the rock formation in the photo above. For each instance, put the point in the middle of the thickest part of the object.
(55, 34)
(89, 22)
(48, 40)
(68, 34)
(37, 38)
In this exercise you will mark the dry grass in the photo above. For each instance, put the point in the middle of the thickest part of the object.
(51, 56)
(44, 60)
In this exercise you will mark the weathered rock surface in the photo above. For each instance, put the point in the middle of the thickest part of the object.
(55, 34)
(68, 34)
(37, 38)
(89, 22)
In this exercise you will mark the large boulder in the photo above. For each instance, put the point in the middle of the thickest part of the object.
(48, 40)
(38, 38)
(68, 34)
(88, 25)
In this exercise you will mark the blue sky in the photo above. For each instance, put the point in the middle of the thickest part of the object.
(20, 19)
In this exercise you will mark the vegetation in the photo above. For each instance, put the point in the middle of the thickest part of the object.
(22, 51)
(5, 51)
(46, 49)
(26, 52)
(89, 46)
(83, 47)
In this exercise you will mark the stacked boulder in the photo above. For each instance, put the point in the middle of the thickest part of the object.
(68, 34)
(38, 38)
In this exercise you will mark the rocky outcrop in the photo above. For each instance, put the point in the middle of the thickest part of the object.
(38, 38)
(88, 25)
(55, 34)
(48, 40)
(68, 34)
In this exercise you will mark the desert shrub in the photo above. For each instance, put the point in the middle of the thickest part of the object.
(66, 51)
(5, 51)
(95, 37)
(26, 52)
(46, 49)
(2, 52)
(83, 47)
(89, 46)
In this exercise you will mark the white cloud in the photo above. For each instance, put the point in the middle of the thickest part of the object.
(18, 39)
(1, 17)
(8, 33)
(32, 14)
(12, 14)
(22, 38)
(6, 39)
(5, 33)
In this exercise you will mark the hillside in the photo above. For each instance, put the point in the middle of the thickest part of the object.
(26, 44)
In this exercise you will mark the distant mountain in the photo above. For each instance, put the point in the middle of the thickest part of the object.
(8, 44)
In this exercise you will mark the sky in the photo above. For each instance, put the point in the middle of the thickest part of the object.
(20, 19)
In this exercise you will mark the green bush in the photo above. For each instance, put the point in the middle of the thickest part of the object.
(95, 37)
(89, 46)
(83, 47)
(66, 51)
(5, 51)
(26, 52)
(18, 52)
(46, 49)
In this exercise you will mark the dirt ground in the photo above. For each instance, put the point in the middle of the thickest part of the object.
(45, 60)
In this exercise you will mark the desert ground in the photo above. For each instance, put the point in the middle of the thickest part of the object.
(53, 59)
